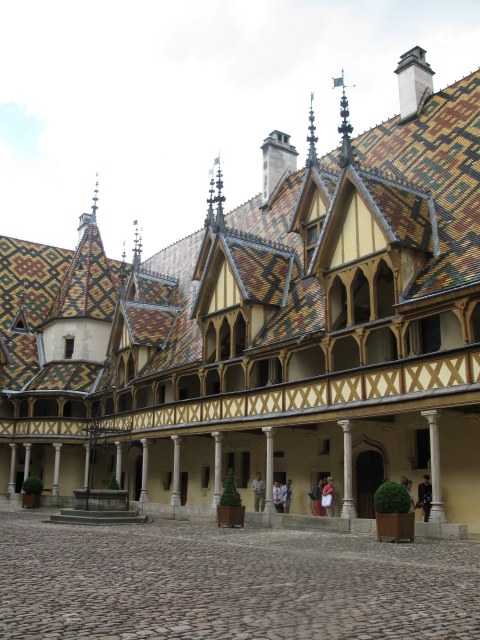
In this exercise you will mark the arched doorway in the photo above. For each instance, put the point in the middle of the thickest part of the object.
(370, 475)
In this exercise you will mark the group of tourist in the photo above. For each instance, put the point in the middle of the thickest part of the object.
(323, 497)
(424, 501)
(282, 494)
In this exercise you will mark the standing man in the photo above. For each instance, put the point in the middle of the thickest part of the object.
(258, 487)
(287, 496)
(277, 497)
(425, 496)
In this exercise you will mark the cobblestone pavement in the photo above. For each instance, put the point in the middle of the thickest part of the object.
(182, 580)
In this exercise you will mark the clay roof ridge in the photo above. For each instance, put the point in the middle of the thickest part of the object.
(247, 237)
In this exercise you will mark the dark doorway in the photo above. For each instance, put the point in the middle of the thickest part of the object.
(138, 477)
(370, 475)
(19, 481)
(183, 487)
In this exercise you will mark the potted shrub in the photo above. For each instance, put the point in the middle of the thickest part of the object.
(31, 488)
(230, 512)
(394, 522)
(113, 484)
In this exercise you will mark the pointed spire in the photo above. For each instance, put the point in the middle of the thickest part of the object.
(219, 198)
(346, 154)
(312, 160)
(123, 273)
(137, 249)
(210, 217)
(95, 200)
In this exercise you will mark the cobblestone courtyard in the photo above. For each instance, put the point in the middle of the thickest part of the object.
(184, 580)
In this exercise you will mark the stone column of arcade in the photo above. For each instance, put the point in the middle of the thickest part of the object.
(56, 469)
(13, 464)
(218, 468)
(118, 467)
(144, 492)
(28, 450)
(437, 513)
(269, 506)
(176, 499)
(86, 478)
(348, 507)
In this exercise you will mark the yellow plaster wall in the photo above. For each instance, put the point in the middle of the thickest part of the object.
(226, 292)
(5, 457)
(125, 338)
(360, 234)
(317, 208)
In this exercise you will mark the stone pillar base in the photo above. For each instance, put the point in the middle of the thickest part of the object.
(437, 513)
(11, 490)
(215, 500)
(143, 496)
(175, 501)
(54, 491)
(348, 510)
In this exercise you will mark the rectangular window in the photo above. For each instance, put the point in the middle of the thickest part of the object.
(431, 335)
(161, 394)
(245, 471)
(69, 346)
(312, 234)
(205, 476)
(231, 461)
(422, 443)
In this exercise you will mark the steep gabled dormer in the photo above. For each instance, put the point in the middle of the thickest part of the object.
(243, 278)
(314, 197)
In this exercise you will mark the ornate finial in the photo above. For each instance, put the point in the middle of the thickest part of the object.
(123, 274)
(95, 200)
(137, 248)
(346, 154)
(219, 198)
(210, 217)
(312, 160)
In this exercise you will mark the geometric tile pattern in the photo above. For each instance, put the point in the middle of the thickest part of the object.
(443, 160)
(148, 325)
(66, 376)
(406, 213)
(23, 353)
(87, 289)
(263, 270)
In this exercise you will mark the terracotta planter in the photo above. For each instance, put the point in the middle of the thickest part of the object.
(230, 516)
(395, 527)
(31, 500)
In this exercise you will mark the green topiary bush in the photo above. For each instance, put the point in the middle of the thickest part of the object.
(32, 484)
(113, 484)
(230, 496)
(391, 497)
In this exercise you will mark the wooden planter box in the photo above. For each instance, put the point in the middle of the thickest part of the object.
(230, 516)
(31, 500)
(395, 527)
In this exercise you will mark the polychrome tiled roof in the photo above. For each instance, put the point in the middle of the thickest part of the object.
(155, 289)
(440, 153)
(406, 212)
(65, 376)
(304, 313)
(149, 325)
(22, 350)
(87, 289)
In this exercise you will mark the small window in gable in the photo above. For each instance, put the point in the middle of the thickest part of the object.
(69, 347)
(20, 323)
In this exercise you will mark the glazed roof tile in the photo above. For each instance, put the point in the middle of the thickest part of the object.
(23, 353)
(303, 314)
(440, 152)
(87, 289)
(149, 325)
(66, 376)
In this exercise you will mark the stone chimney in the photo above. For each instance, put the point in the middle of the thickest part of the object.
(415, 83)
(83, 222)
(278, 156)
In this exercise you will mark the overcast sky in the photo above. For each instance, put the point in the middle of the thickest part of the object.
(147, 93)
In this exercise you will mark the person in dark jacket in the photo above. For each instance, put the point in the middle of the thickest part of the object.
(425, 497)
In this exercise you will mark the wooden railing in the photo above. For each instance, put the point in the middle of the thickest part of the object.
(444, 370)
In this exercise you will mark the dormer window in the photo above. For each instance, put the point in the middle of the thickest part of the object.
(69, 347)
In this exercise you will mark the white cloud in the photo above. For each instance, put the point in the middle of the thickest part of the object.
(147, 93)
